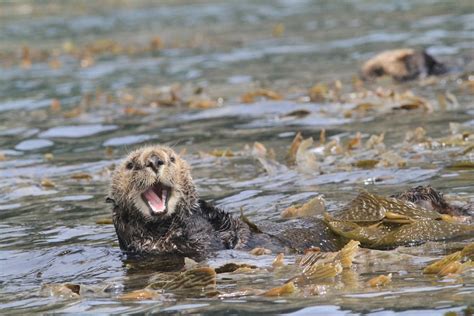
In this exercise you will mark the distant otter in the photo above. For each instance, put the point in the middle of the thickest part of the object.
(430, 199)
(157, 210)
(402, 64)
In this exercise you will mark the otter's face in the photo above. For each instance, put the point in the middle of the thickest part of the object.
(153, 181)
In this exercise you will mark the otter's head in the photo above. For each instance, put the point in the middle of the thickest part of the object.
(154, 182)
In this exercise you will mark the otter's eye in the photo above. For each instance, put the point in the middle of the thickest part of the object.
(172, 159)
(129, 166)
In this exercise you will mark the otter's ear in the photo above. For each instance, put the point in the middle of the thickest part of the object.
(110, 200)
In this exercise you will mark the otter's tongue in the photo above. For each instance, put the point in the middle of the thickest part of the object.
(156, 197)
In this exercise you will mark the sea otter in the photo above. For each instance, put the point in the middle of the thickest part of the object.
(402, 65)
(156, 210)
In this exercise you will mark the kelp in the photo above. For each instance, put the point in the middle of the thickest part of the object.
(231, 267)
(319, 266)
(368, 207)
(295, 144)
(313, 207)
(285, 289)
(366, 235)
(259, 251)
(422, 231)
(380, 280)
(345, 256)
(389, 235)
(63, 290)
(380, 222)
(250, 97)
(452, 263)
(252, 226)
(195, 279)
(140, 295)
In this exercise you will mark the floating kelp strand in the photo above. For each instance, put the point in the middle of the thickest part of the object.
(368, 207)
(422, 231)
(199, 279)
(443, 265)
(381, 280)
(140, 295)
(314, 206)
(347, 253)
(285, 289)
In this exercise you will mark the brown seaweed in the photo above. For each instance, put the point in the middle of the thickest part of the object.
(380, 280)
(313, 207)
(285, 289)
(422, 231)
(140, 295)
(194, 279)
(388, 235)
(368, 207)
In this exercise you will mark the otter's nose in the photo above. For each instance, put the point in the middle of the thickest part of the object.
(154, 162)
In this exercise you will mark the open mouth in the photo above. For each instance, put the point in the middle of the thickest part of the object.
(156, 197)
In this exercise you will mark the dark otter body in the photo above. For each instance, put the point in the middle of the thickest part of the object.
(402, 65)
(206, 229)
(210, 229)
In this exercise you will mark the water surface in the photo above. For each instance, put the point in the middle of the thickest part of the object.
(99, 62)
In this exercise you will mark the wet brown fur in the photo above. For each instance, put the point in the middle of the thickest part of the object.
(402, 64)
(430, 199)
(189, 228)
